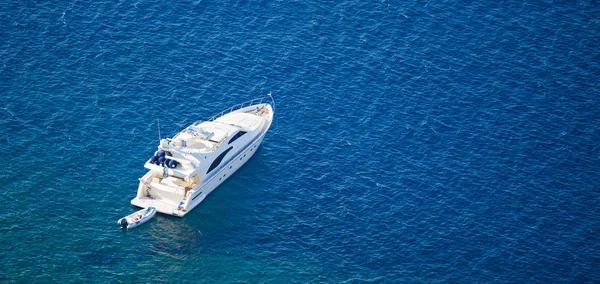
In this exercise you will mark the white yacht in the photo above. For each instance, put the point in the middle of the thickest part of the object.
(189, 166)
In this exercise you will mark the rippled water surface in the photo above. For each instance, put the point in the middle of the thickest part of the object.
(419, 141)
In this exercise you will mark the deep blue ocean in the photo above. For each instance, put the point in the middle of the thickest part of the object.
(413, 141)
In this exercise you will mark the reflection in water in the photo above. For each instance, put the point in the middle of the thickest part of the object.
(174, 239)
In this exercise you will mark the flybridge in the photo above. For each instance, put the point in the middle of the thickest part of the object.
(196, 132)
(200, 137)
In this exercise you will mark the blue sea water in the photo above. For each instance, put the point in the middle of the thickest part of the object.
(414, 141)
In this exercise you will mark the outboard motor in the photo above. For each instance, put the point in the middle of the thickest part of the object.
(162, 160)
(124, 223)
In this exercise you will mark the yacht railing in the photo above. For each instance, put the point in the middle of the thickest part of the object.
(238, 106)
(233, 108)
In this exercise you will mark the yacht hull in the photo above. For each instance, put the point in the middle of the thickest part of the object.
(228, 169)
(203, 190)
(179, 203)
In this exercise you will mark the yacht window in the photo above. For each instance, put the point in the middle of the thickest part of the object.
(218, 160)
(236, 136)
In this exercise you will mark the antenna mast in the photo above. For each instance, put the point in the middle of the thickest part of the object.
(158, 129)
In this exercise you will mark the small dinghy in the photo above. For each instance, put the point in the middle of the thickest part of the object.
(137, 218)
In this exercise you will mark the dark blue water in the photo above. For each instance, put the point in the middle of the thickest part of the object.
(419, 141)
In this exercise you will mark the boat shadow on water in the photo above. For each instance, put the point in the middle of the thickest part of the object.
(171, 237)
